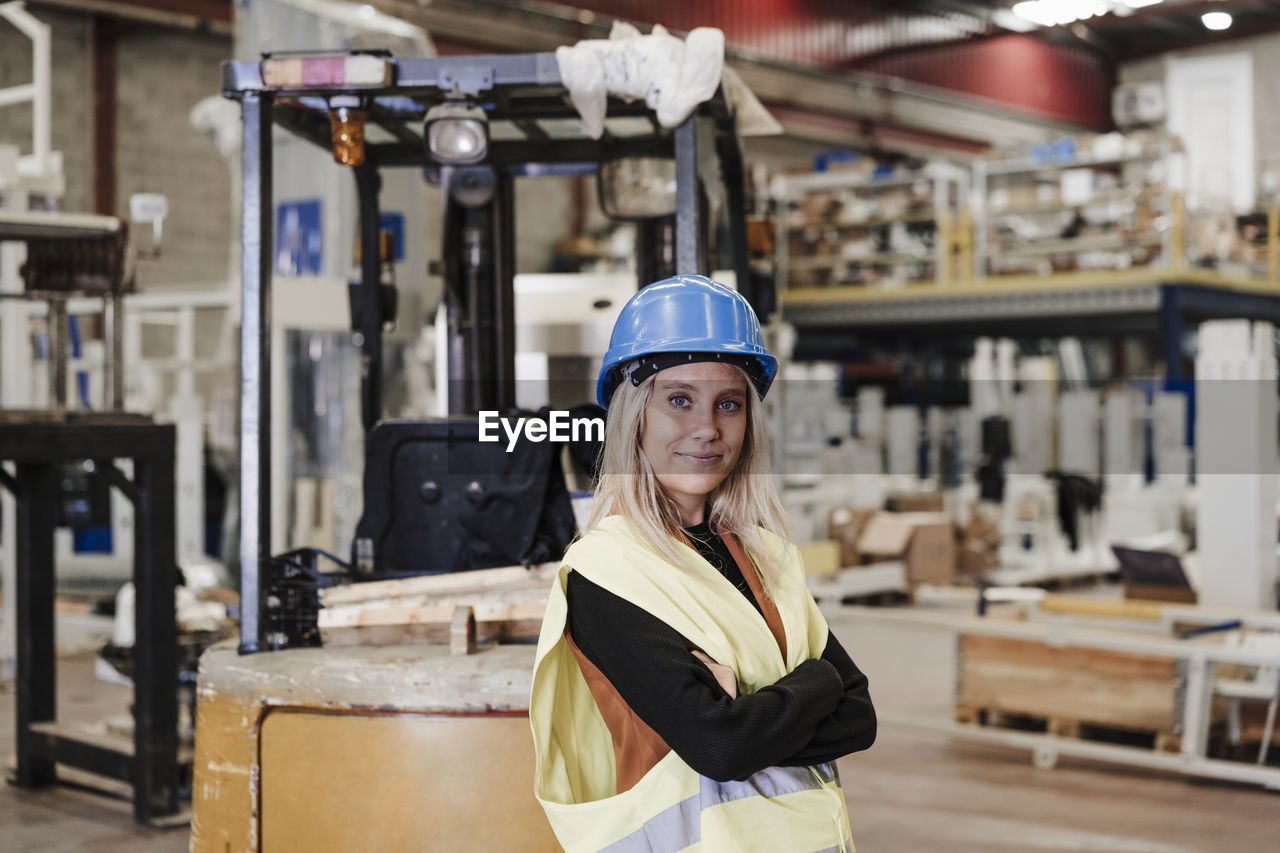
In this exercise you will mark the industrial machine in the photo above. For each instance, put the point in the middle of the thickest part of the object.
(435, 500)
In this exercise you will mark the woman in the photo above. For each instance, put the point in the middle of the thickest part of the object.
(687, 692)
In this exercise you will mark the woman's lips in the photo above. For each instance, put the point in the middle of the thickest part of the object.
(701, 458)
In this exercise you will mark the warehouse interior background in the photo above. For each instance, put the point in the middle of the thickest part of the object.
(1020, 263)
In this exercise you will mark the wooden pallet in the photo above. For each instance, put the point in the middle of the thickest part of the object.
(1069, 727)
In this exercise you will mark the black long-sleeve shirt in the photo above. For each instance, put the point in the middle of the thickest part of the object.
(819, 712)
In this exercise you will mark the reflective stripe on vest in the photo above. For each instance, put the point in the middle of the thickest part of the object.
(778, 810)
(680, 826)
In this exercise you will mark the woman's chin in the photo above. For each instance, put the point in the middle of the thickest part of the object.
(691, 485)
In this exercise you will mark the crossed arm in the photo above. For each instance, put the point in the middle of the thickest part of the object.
(818, 712)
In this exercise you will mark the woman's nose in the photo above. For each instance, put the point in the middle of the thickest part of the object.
(705, 429)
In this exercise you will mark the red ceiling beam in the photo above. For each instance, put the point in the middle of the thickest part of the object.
(1020, 72)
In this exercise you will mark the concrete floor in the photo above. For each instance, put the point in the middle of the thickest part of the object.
(914, 791)
(65, 819)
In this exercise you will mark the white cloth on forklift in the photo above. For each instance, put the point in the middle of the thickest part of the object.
(672, 76)
(753, 118)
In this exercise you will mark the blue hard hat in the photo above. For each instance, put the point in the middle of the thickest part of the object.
(687, 314)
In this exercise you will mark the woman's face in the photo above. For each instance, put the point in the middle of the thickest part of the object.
(694, 424)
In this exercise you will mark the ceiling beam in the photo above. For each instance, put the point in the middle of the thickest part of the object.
(212, 16)
(1147, 46)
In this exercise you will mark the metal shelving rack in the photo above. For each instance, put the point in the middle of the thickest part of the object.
(947, 190)
(986, 257)
(1161, 300)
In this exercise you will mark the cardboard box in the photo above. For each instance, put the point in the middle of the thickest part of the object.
(845, 525)
(981, 529)
(914, 502)
(974, 557)
(821, 558)
(923, 541)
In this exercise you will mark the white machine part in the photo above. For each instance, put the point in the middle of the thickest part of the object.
(903, 441)
(1169, 449)
(870, 412)
(1078, 421)
(1031, 413)
(984, 397)
(1237, 463)
(1124, 413)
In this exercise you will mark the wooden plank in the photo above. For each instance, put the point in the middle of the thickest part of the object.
(430, 614)
(432, 633)
(522, 595)
(462, 631)
(389, 624)
(1130, 609)
(1037, 654)
(430, 585)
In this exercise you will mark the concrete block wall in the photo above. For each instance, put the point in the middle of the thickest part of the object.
(160, 75)
(72, 98)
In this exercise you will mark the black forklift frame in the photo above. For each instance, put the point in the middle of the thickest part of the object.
(520, 89)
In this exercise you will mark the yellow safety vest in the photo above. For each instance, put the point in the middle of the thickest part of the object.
(672, 807)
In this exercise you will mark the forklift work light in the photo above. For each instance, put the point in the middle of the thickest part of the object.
(457, 133)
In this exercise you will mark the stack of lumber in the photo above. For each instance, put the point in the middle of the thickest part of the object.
(460, 609)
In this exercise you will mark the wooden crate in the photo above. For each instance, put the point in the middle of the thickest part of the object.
(1066, 686)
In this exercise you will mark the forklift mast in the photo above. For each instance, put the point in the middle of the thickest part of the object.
(472, 125)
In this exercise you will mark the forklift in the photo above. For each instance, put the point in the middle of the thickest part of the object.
(307, 747)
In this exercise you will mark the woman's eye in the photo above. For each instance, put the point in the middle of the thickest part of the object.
(730, 406)
(679, 400)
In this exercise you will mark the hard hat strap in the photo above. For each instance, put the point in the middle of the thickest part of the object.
(642, 367)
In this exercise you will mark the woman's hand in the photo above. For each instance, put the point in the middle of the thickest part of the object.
(725, 676)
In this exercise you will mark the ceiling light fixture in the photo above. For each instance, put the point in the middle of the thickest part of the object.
(1054, 13)
(1216, 20)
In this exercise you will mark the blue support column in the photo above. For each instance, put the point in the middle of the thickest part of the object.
(1171, 332)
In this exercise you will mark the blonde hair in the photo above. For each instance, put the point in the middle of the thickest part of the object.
(745, 502)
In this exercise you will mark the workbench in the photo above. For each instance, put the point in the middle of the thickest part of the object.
(41, 444)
